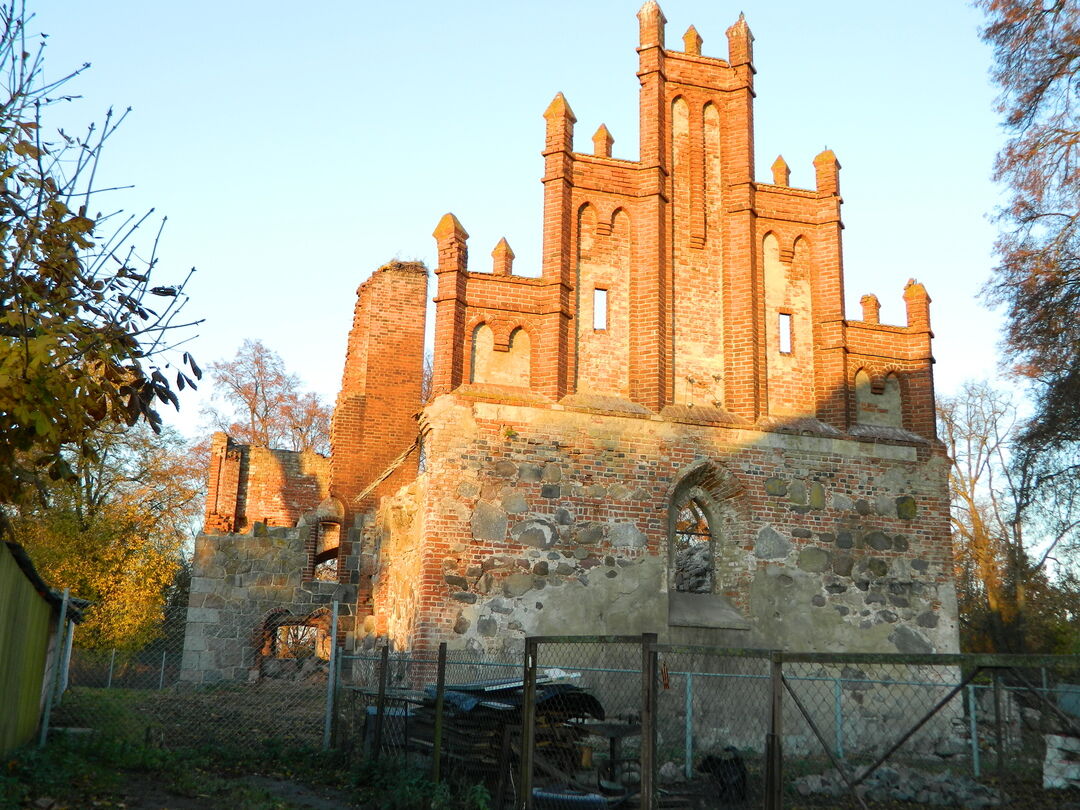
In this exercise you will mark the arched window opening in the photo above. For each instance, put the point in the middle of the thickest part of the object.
(692, 547)
(324, 541)
(326, 552)
(296, 641)
(307, 637)
(283, 635)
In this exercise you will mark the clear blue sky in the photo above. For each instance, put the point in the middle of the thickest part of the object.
(297, 147)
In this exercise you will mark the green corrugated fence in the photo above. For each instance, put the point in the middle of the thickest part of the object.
(25, 627)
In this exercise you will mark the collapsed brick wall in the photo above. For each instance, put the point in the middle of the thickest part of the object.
(375, 414)
(258, 484)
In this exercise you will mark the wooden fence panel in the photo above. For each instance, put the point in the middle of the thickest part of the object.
(25, 626)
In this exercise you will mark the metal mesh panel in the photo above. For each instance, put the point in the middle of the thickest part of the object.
(854, 730)
(139, 695)
(470, 731)
(712, 721)
(586, 745)
(958, 733)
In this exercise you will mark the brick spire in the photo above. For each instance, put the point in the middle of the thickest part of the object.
(740, 43)
(780, 172)
(602, 142)
(918, 306)
(692, 41)
(651, 21)
(504, 258)
(560, 125)
(827, 168)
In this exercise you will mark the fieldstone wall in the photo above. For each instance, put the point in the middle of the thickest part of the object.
(237, 581)
(555, 519)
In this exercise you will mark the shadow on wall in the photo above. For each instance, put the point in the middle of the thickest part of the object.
(596, 517)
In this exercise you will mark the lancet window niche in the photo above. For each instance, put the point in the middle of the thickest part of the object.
(706, 553)
(692, 544)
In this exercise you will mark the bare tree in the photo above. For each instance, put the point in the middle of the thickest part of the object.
(264, 403)
(1005, 533)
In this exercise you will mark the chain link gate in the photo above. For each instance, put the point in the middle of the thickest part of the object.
(965, 730)
(586, 722)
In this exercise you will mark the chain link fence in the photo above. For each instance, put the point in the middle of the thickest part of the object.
(712, 724)
(146, 695)
(964, 731)
(613, 721)
(584, 722)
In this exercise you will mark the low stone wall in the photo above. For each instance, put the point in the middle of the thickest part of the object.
(239, 581)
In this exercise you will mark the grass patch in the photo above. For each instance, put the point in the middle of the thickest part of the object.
(77, 771)
(238, 746)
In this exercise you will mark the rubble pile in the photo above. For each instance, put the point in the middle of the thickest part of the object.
(900, 784)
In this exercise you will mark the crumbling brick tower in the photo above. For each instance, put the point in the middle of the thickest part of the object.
(673, 428)
(282, 537)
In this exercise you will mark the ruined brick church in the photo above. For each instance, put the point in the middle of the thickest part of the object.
(673, 429)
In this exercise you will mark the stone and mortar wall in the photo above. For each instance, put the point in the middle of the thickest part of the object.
(237, 580)
(549, 520)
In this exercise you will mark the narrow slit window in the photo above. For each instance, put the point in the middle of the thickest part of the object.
(599, 309)
(785, 333)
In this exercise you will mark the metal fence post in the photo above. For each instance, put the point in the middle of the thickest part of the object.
(999, 736)
(112, 662)
(161, 679)
(528, 725)
(648, 720)
(973, 729)
(688, 711)
(838, 717)
(328, 718)
(440, 689)
(335, 725)
(50, 687)
(65, 667)
(384, 667)
(774, 756)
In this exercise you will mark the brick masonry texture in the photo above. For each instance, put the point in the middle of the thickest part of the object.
(559, 448)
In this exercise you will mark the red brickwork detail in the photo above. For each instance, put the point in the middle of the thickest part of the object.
(375, 415)
(257, 484)
(675, 239)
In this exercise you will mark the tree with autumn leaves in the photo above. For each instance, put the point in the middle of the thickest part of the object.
(115, 533)
(261, 403)
(1016, 483)
(1037, 279)
(85, 333)
(88, 354)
